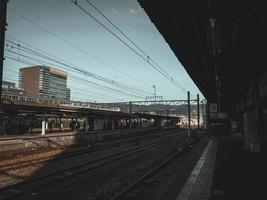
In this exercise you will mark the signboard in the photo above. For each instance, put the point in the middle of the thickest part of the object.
(154, 98)
(57, 72)
(213, 108)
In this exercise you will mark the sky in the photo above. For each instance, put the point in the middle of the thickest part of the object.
(63, 30)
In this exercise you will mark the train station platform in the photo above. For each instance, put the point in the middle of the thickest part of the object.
(226, 172)
(239, 174)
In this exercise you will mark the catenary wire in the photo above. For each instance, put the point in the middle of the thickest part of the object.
(79, 78)
(74, 67)
(136, 52)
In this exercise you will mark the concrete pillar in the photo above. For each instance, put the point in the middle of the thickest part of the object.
(31, 126)
(198, 114)
(84, 124)
(108, 124)
(152, 122)
(4, 127)
(253, 124)
(99, 124)
(158, 123)
(61, 127)
(112, 124)
(87, 124)
(207, 115)
(95, 124)
(46, 125)
(130, 122)
(203, 115)
(56, 123)
(50, 125)
(3, 24)
(189, 114)
(255, 145)
(43, 127)
(91, 123)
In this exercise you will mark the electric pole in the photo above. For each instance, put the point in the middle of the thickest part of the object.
(189, 114)
(155, 94)
(198, 114)
(3, 5)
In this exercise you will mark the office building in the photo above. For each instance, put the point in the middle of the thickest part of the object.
(43, 81)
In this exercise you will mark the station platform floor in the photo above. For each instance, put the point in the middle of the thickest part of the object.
(239, 174)
(225, 171)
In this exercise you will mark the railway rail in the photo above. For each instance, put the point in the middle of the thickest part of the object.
(121, 195)
(106, 135)
(85, 150)
(47, 179)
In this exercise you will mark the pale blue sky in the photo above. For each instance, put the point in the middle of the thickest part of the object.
(64, 20)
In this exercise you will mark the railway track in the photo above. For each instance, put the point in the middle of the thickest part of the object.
(123, 135)
(72, 172)
(122, 194)
(88, 149)
(129, 163)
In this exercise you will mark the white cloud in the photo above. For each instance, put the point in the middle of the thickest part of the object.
(134, 11)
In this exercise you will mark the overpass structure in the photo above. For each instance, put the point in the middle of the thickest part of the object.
(221, 44)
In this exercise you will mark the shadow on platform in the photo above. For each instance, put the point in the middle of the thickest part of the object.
(239, 174)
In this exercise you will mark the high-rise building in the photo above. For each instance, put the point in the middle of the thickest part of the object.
(43, 81)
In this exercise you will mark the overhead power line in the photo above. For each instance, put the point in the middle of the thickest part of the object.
(72, 67)
(85, 93)
(145, 58)
(74, 46)
(131, 41)
(77, 78)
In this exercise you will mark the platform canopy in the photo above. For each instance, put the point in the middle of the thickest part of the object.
(220, 43)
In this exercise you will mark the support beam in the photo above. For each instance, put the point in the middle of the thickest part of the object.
(3, 5)
(189, 114)
(87, 124)
(207, 115)
(112, 124)
(43, 127)
(130, 122)
(130, 108)
(258, 135)
(198, 126)
(61, 127)
(203, 114)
